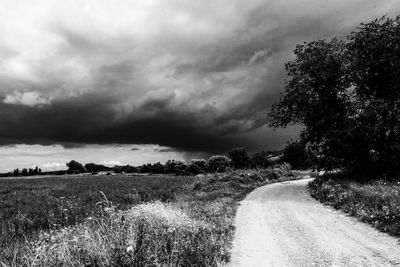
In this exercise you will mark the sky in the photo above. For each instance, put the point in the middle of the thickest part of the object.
(128, 81)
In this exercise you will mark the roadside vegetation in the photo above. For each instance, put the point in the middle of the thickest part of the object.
(375, 202)
(122, 219)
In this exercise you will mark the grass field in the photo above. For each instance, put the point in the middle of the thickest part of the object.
(123, 220)
(375, 202)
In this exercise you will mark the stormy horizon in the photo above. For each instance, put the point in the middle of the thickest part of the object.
(132, 82)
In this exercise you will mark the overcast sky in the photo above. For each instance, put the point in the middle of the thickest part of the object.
(90, 80)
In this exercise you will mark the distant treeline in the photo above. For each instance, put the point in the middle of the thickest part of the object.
(237, 158)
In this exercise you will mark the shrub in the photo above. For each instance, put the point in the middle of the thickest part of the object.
(218, 163)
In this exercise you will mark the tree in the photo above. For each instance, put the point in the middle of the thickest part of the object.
(374, 51)
(347, 96)
(75, 167)
(175, 166)
(24, 172)
(317, 95)
(92, 167)
(218, 163)
(296, 154)
(260, 160)
(239, 158)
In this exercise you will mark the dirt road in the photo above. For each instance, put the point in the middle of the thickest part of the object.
(281, 225)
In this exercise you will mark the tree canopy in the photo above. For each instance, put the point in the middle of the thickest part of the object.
(346, 93)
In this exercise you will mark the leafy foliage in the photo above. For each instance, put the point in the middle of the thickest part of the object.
(75, 167)
(347, 95)
(218, 163)
(297, 155)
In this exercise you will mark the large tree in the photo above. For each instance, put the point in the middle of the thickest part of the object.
(374, 50)
(347, 95)
(317, 95)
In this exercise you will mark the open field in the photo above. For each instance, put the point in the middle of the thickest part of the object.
(374, 202)
(30, 205)
(124, 220)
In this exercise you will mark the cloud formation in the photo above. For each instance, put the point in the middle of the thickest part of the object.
(191, 75)
(26, 98)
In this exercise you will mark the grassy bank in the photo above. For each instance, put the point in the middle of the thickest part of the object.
(376, 203)
(138, 221)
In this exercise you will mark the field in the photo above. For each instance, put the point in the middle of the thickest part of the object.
(123, 220)
(375, 202)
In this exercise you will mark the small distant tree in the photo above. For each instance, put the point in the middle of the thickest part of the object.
(260, 160)
(92, 167)
(202, 163)
(296, 155)
(175, 166)
(194, 169)
(24, 172)
(239, 158)
(197, 166)
(128, 169)
(16, 172)
(75, 167)
(157, 168)
(218, 163)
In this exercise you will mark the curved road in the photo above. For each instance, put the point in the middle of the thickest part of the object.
(281, 225)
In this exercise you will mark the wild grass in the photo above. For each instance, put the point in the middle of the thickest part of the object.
(30, 206)
(192, 228)
(375, 202)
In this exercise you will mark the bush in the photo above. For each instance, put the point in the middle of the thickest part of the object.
(218, 163)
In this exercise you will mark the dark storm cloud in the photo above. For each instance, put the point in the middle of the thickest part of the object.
(180, 74)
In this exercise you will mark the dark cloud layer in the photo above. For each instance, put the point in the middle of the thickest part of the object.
(189, 76)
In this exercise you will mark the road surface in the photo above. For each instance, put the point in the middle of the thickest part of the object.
(281, 225)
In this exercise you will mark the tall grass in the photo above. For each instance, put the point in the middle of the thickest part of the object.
(375, 202)
(195, 228)
(151, 234)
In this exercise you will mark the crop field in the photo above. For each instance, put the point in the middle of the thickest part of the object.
(123, 220)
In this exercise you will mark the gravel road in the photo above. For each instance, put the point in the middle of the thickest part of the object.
(281, 225)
